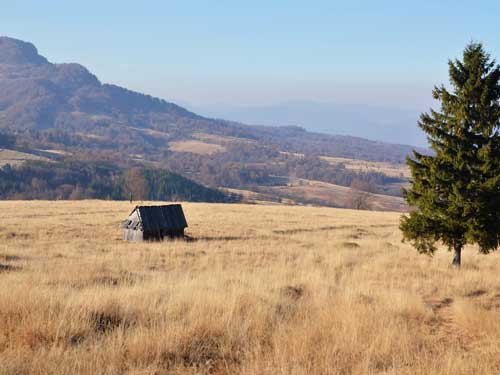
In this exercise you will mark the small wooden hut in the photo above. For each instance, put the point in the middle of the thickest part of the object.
(154, 223)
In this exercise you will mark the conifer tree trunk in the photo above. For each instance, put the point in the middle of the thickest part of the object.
(457, 258)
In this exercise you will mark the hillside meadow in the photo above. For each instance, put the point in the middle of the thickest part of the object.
(257, 290)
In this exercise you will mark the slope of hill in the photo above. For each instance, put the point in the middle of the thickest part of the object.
(257, 290)
(390, 124)
(36, 95)
(16, 158)
(65, 107)
(39, 179)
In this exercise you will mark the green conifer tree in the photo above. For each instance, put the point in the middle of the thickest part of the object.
(455, 192)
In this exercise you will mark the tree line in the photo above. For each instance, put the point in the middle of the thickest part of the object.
(242, 168)
(87, 180)
(6, 139)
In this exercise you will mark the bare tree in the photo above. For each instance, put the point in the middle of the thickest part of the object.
(135, 185)
(360, 194)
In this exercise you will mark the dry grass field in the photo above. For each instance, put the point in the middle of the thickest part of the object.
(15, 158)
(332, 194)
(389, 169)
(258, 290)
(196, 147)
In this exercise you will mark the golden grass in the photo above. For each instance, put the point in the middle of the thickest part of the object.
(389, 169)
(196, 147)
(15, 158)
(219, 139)
(335, 195)
(260, 290)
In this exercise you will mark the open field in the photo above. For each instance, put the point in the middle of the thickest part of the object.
(15, 158)
(221, 140)
(358, 165)
(196, 147)
(258, 290)
(389, 169)
(324, 193)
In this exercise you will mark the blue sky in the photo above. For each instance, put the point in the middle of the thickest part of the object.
(384, 53)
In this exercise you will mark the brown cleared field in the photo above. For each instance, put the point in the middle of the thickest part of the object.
(15, 158)
(196, 147)
(389, 169)
(219, 139)
(259, 290)
(334, 195)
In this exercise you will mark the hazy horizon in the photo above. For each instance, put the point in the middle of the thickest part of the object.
(366, 121)
(222, 56)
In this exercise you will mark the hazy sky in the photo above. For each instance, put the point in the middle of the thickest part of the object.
(257, 52)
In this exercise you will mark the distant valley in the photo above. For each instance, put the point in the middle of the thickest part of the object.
(57, 114)
(388, 124)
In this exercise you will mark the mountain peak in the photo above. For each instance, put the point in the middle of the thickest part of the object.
(15, 51)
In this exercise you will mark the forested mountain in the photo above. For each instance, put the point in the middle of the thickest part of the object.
(64, 107)
(37, 96)
(389, 123)
(78, 180)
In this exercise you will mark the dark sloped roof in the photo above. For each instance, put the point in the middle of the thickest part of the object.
(156, 218)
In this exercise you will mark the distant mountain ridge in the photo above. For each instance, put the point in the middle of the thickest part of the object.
(389, 124)
(14, 51)
(38, 95)
(65, 110)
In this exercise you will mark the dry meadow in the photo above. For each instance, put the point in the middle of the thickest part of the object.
(257, 290)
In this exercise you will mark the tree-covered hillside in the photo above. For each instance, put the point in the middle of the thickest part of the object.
(66, 105)
(79, 180)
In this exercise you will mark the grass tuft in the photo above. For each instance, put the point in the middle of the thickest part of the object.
(258, 290)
